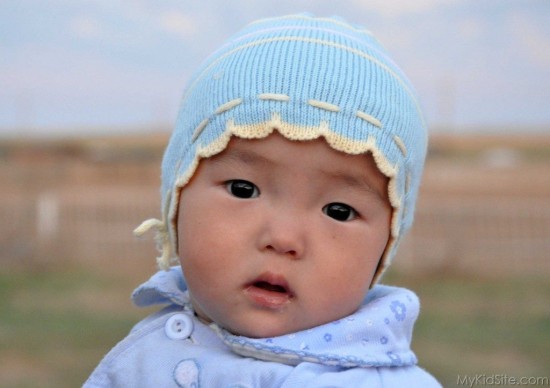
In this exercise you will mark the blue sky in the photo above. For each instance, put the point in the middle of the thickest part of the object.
(97, 66)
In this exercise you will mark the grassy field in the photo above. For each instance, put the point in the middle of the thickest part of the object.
(56, 324)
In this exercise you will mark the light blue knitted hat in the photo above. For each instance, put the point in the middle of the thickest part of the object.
(306, 78)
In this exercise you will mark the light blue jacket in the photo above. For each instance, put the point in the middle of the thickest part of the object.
(172, 348)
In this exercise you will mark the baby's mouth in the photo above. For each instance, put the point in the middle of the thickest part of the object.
(269, 291)
(270, 287)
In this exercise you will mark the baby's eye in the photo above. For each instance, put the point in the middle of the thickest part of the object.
(242, 189)
(340, 211)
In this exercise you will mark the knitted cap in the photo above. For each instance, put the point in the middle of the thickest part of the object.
(306, 78)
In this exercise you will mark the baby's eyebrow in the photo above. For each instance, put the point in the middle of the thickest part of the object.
(243, 156)
(355, 181)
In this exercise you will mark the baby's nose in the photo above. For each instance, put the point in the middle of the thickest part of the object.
(285, 235)
(284, 249)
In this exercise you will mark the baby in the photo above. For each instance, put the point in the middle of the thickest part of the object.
(287, 185)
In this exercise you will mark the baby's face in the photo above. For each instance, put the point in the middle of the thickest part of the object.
(278, 236)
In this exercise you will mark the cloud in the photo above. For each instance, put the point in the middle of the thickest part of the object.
(471, 28)
(178, 23)
(400, 7)
(532, 41)
(86, 27)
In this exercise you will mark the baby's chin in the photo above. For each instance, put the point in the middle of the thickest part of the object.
(262, 326)
(254, 328)
(266, 329)
(268, 324)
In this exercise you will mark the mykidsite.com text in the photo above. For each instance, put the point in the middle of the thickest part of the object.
(501, 379)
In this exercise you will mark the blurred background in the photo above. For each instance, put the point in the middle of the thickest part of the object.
(89, 92)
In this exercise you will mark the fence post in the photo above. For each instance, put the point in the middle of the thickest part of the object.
(47, 217)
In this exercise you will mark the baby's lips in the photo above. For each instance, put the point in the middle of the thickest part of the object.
(266, 299)
(269, 291)
(272, 283)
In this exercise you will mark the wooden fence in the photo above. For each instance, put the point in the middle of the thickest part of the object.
(94, 226)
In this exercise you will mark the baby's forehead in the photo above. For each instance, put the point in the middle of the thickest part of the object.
(276, 147)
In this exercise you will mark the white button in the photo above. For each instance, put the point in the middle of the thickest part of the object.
(178, 326)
